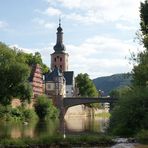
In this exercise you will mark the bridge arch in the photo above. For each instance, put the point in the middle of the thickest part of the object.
(73, 101)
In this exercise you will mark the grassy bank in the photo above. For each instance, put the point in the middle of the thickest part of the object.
(59, 141)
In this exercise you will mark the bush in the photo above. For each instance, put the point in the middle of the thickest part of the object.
(7, 113)
(142, 136)
(130, 114)
(45, 109)
(29, 115)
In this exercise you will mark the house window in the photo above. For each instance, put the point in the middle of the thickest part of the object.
(49, 86)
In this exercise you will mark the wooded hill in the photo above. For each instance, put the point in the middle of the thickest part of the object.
(109, 83)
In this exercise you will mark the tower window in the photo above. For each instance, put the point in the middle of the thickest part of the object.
(60, 59)
(57, 56)
(55, 59)
(61, 66)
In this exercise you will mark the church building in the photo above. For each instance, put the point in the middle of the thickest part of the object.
(59, 81)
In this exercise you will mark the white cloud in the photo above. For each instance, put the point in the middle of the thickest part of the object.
(52, 11)
(99, 56)
(125, 27)
(3, 25)
(96, 11)
(44, 24)
(27, 50)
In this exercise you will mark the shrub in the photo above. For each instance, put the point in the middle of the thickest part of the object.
(7, 113)
(29, 115)
(142, 136)
(45, 109)
(130, 114)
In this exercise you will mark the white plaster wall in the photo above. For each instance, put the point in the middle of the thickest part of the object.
(69, 91)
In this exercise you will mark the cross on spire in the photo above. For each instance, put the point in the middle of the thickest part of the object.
(59, 21)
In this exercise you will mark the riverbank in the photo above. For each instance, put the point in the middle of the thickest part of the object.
(58, 141)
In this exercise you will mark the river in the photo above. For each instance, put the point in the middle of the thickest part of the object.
(50, 127)
(72, 125)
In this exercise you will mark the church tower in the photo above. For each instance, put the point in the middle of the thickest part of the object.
(59, 59)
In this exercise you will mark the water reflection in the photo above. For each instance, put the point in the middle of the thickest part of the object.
(51, 127)
(82, 124)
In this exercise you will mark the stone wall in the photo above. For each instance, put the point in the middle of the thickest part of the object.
(16, 102)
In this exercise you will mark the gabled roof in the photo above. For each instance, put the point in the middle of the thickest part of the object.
(33, 69)
(51, 75)
(69, 77)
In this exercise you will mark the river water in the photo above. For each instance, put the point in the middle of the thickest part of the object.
(50, 127)
(71, 125)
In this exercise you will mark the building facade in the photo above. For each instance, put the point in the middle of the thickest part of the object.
(36, 80)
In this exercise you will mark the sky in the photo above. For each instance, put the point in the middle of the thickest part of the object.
(99, 35)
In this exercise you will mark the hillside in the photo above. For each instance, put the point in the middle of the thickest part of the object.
(108, 83)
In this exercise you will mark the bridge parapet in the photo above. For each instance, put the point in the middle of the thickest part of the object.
(72, 101)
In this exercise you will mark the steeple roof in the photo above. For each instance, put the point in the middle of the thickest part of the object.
(59, 47)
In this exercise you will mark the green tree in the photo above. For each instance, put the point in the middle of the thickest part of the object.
(32, 59)
(144, 23)
(86, 86)
(14, 75)
(140, 71)
(36, 59)
(45, 108)
(117, 93)
(130, 114)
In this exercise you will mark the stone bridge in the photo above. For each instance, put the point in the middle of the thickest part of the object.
(64, 103)
(68, 102)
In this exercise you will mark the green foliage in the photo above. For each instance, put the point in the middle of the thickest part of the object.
(130, 114)
(140, 71)
(86, 86)
(45, 109)
(7, 113)
(144, 22)
(117, 93)
(31, 59)
(142, 136)
(14, 75)
(59, 141)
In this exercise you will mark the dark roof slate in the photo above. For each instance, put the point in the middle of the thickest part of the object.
(51, 75)
(69, 76)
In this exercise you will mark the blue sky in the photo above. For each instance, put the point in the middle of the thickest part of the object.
(97, 33)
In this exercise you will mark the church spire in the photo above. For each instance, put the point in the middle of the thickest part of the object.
(59, 22)
(59, 47)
